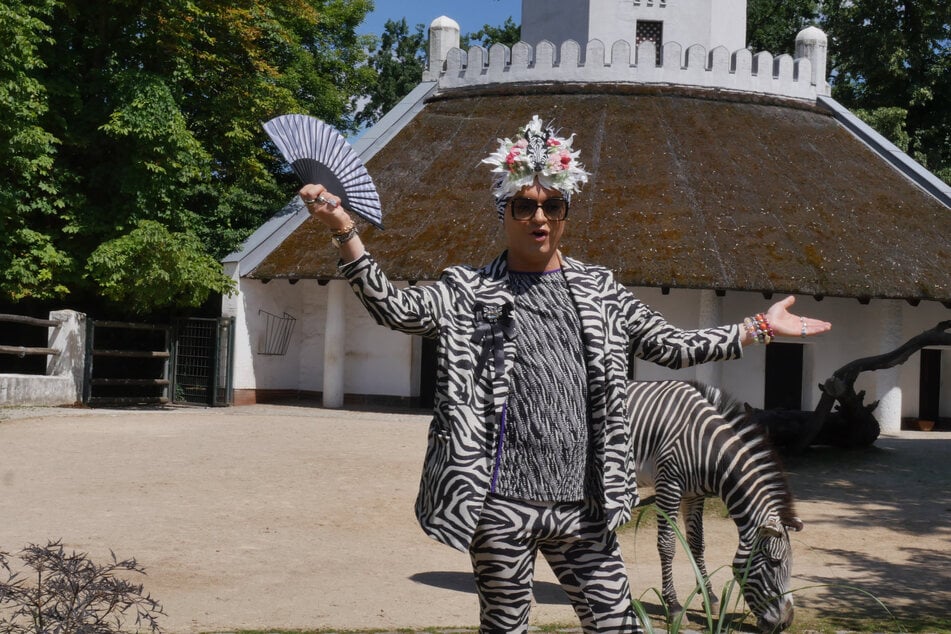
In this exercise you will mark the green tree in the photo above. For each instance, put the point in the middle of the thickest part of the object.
(151, 266)
(772, 26)
(508, 33)
(152, 112)
(33, 262)
(398, 62)
(890, 62)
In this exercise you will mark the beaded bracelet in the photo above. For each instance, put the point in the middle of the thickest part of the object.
(758, 328)
(750, 327)
(764, 332)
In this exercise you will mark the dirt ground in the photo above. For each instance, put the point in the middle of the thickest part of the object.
(292, 516)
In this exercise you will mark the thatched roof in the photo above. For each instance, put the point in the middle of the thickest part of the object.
(688, 189)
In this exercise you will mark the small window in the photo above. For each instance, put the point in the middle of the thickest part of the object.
(650, 31)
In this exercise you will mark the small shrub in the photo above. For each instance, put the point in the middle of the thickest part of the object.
(72, 594)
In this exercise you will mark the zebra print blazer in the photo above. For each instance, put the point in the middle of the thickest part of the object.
(469, 311)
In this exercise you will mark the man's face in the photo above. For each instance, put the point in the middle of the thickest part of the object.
(533, 242)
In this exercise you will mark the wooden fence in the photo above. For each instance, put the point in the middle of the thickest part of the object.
(22, 351)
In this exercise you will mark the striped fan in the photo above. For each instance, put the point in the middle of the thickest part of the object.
(319, 154)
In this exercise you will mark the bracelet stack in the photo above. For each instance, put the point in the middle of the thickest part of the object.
(344, 235)
(758, 328)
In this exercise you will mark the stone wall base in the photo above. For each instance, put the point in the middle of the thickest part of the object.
(256, 396)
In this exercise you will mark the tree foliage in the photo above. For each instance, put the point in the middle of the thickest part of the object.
(890, 62)
(151, 266)
(398, 61)
(772, 26)
(32, 257)
(113, 113)
(508, 33)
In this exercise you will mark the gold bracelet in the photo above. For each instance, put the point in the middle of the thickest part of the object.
(347, 229)
(337, 238)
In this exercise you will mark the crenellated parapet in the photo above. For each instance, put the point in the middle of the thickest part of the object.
(741, 70)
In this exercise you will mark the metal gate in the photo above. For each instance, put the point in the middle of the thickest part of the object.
(136, 363)
(202, 353)
(126, 363)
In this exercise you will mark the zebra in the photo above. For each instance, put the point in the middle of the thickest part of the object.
(690, 442)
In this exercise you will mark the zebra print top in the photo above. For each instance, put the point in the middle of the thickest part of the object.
(544, 443)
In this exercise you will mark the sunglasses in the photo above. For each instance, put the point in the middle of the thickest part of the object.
(555, 209)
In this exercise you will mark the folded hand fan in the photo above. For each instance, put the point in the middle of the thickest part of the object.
(319, 154)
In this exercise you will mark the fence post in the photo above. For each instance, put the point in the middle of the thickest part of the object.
(69, 337)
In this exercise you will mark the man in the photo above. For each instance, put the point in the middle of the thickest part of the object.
(529, 450)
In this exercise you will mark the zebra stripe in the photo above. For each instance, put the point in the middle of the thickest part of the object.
(473, 381)
(692, 442)
(582, 552)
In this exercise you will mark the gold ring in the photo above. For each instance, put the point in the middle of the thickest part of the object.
(310, 201)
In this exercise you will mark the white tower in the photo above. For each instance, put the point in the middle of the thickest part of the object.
(443, 37)
(710, 23)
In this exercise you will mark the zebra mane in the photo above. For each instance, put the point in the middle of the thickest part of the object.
(757, 436)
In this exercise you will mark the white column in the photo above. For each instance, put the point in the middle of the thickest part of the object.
(334, 344)
(810, 384)
(709, 317)
(887, 384)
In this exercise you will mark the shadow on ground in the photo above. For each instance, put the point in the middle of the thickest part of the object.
(545, 592)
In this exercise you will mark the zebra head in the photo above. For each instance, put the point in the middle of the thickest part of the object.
(764, 574)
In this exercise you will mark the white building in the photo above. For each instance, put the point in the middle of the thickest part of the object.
(721, 179)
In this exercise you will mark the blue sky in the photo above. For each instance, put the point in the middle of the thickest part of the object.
(470, 14)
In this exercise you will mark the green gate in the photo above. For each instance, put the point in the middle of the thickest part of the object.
(138, 363)
(202, 352)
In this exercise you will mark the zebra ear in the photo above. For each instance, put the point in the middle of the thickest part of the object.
(794, 523)
(772, 528)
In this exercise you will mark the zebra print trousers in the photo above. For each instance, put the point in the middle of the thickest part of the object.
(582, 552)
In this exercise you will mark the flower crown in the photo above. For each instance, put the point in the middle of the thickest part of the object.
(536, 152)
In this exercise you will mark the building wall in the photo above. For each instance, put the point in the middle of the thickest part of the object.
(381, 362)
(554, 21)
(252, 369)
(378, 361)
(710, 23)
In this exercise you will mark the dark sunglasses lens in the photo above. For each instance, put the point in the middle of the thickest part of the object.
(523, 208)
(555, 208)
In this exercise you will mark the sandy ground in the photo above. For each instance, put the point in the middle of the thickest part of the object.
(293, 516)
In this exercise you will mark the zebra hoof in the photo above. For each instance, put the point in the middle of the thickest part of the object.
(674, 609)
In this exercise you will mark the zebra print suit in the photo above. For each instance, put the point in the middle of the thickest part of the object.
(469, 310)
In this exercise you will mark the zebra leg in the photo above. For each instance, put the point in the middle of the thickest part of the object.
(693, 518)
(666, 547)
